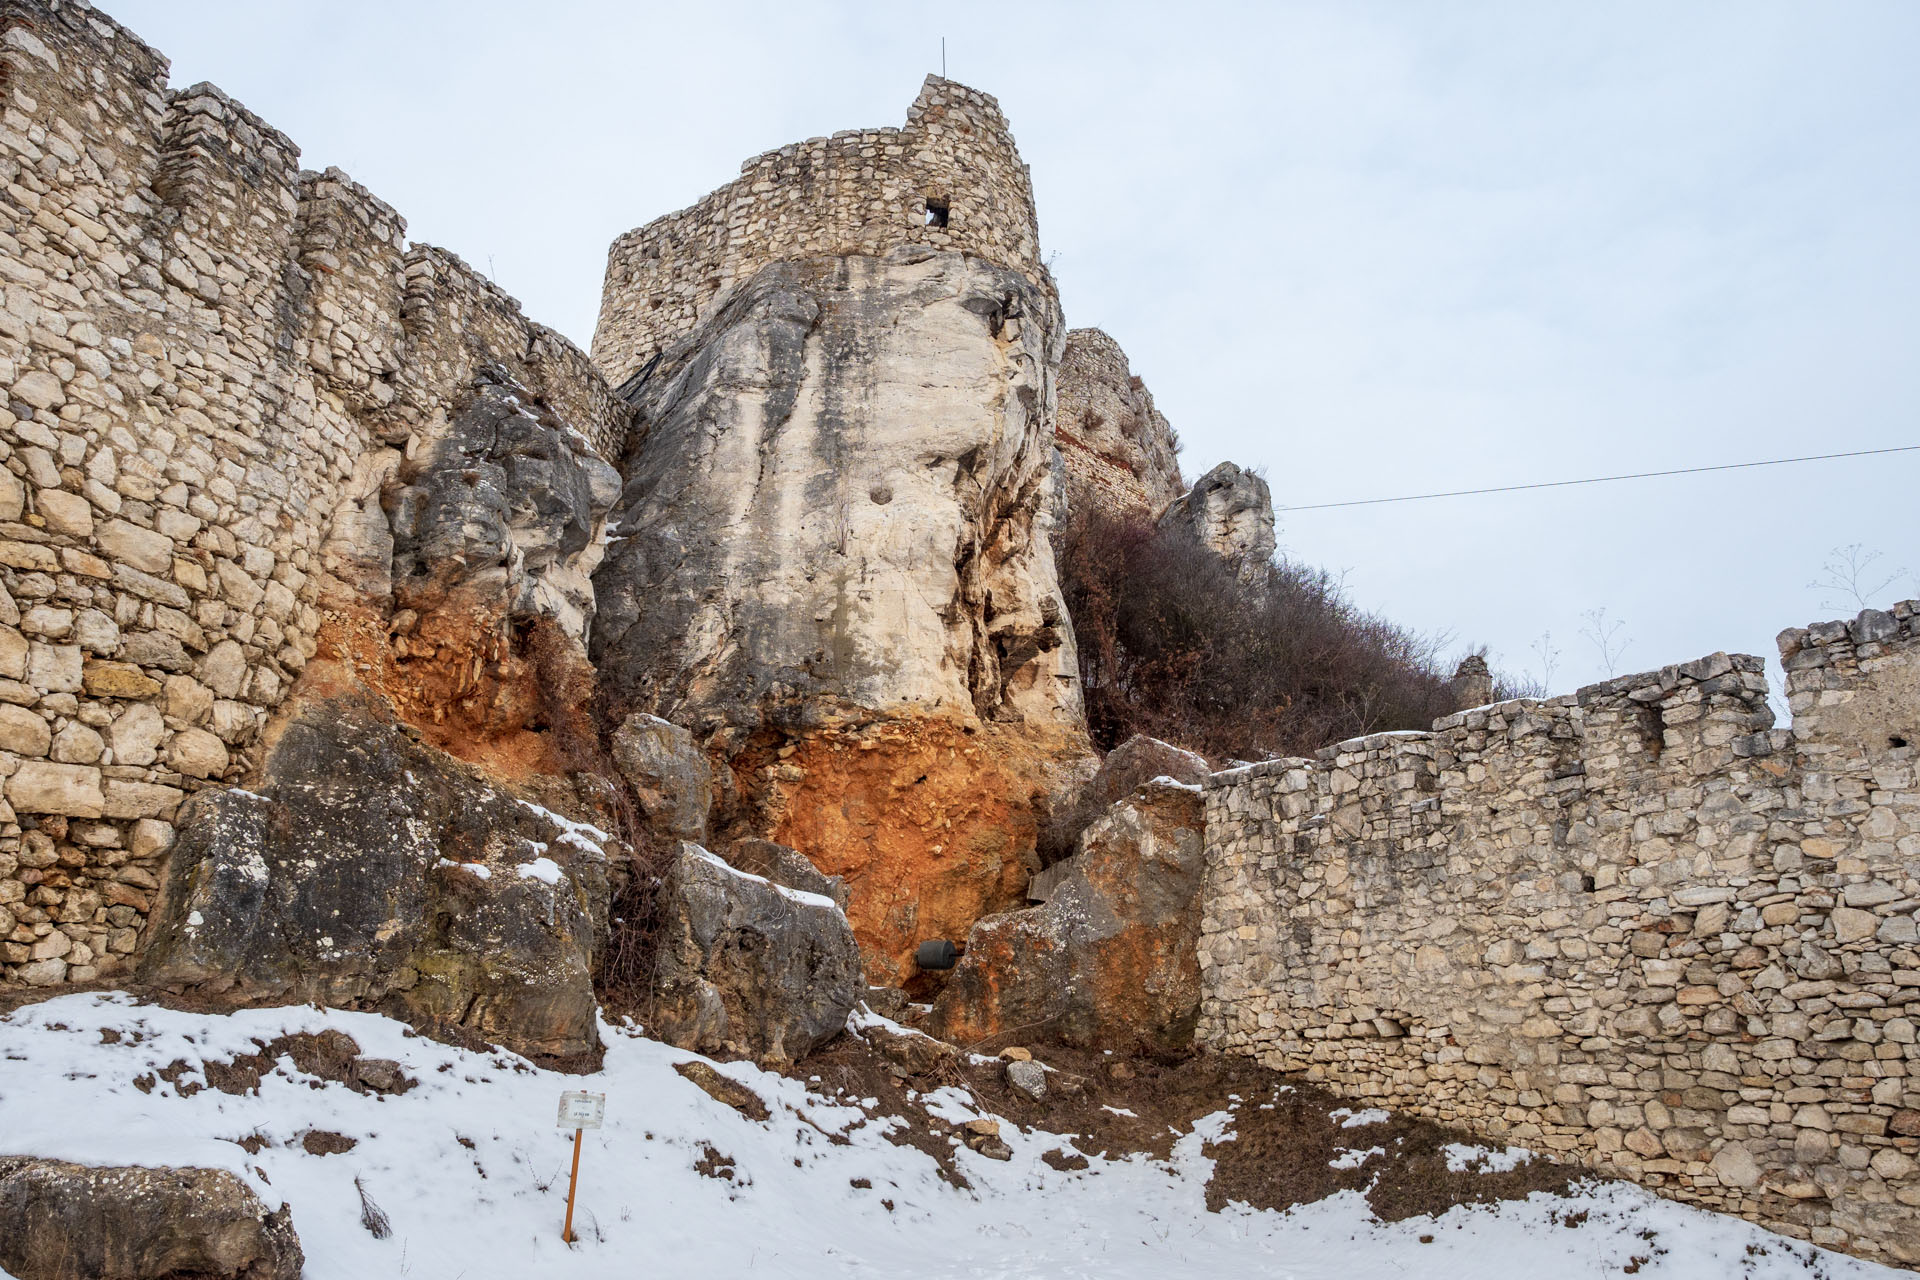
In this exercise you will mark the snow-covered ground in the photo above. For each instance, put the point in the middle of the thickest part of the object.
(493, 1209)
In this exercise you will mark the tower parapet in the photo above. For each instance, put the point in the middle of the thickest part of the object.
(951, 178)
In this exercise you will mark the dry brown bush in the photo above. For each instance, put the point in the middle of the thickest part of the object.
(1173, 644)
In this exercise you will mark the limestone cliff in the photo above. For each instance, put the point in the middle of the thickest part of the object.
(833, 526)
(1119, 453)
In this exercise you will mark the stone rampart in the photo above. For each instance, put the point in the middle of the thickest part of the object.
(1637, 927)
(950, 179)
(198, 343)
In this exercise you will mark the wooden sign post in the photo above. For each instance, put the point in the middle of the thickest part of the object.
(578, 1112)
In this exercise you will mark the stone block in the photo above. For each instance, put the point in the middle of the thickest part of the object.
(66, 789)
(24, 732)
(118, 680)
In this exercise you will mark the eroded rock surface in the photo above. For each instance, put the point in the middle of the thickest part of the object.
(462, 576)
(832, 541)
(786, 867)
(1230, 511)
(833, 498)
(667, 773)
(1118, 451)
(746, 966)
(61, 1221)
(1109, 960)
(364, 870)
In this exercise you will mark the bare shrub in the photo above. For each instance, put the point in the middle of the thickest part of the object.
(1173, 644)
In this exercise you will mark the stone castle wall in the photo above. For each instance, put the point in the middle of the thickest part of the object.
(198, 343)
(861, 191)
(1637, 926)
(1119, 452)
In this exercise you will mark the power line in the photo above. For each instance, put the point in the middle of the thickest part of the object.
(1637, 475)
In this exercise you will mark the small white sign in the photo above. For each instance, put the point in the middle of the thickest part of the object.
(582, 1110)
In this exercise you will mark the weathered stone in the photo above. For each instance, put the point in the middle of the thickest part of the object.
(669, 774)
(197, 753)
(1850, 925)
(1109, 960)
(748, 966)
(1029, 1078)
(118, 680)
(23, 732)
(72, 790)
(784, 866)
(54, 668)
(224, 669)
(61, 1221)
(1229, 511)
(724, 1090)
(65, 513)
(351, 876)
(77, 744)
(143, 549)
(136, 733)
(40, 389)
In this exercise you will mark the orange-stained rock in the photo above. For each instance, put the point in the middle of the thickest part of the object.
(511, 698)
(1110, 959)
(930, 819)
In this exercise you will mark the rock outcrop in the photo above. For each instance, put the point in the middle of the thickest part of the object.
(1472, 683)
(1109, 960)
(831, 563)
(1230, 511)
(833, 500)
(748, 966)
(61, 1221)
(364, 870)
(1118, 452)
(460, 577)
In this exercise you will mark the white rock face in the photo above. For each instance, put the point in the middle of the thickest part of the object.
(1229, 509)
(837, 494)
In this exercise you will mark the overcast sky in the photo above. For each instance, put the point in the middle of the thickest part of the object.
(1369, 248)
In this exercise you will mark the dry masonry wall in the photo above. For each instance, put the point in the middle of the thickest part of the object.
(199, 344)
(861, 191)
(1637, 926)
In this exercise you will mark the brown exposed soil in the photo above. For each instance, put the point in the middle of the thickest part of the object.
(1277, 1151)
(514, 700)
(325, 1142)
(931, 820)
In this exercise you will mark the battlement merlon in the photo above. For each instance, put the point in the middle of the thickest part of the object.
(950, 178)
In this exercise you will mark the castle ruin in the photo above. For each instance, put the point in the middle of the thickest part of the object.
(798, 501)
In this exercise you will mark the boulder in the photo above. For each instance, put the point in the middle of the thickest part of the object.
(1110, 960)
(1141, 759)
(364, 870)
(784, 866)
(668, 773)
(61, 1221)
(748, 967)
(1137, 760)
(501, 501)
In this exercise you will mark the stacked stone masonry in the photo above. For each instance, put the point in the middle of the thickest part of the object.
(950, 179)
(198, 341)
(1637, 927)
